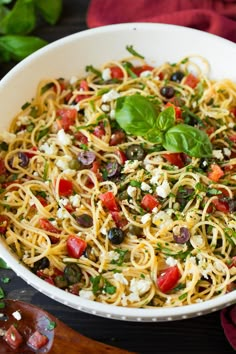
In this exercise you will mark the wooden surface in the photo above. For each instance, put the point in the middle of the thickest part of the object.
(201, 335)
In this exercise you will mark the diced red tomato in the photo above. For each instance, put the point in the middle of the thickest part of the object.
(75, 246)
(121, 156)
(69, 208)
(178, 110)
(109, 201)
(232, 263)
(139, 69)
(168, 279)
(210, 130)
(37, 340)
(149, 202)
(47, 226)
(174, 158)
(95, 169)
(233, 111)
(221, 205)
(83, 87)
(2, 167)
(116, 72)
(231, 287)
(191, 81)
(66, 118)
(233, 138)
(119, 220)
(42, 200)
(13, 337)
(81, 138)
(99, 131)
(4, 222)
(45, 277)
(215, 173)
(65, 188)
(31, 154)
(117, 137)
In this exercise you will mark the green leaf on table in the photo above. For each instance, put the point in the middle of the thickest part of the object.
(18, 47)
(20, 20)
(2, 294)
(3, 264)
(50, 10)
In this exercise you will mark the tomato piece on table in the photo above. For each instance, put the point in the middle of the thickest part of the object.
(215, 172)
(116, 72)
(4, 222)
(149, 202)
(66, 118)
(65, 187)
(191, 81)
(139, 69)
(37, 340)
(109, 201)
(75, 246)
(174, 158)
(168, 279)
(13, 338)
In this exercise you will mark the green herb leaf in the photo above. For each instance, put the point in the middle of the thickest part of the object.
(2, 294)
(45, 171)
(185, 138)
(51, 325)
(5, 280)
(213, 191)
(109, 288)
(128, 67)
(121, 258)
(20, 20)
(90, 68)
(134, 183)
(166, 119)
(50, 10)
(96, 282)
(42, 133)
(18, 47)
(132, 51)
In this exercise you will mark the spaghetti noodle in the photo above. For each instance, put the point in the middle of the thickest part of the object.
(114, 216)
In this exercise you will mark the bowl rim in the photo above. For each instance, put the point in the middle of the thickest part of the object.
(74, 301)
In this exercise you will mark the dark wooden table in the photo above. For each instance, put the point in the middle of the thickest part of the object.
(200, 335)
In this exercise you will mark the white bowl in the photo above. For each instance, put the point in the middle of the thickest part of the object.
(69, 56)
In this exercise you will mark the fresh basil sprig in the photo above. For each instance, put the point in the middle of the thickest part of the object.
(138, 116)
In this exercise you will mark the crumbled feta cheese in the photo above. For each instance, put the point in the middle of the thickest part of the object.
(23, 120)
(131, 191)
(198, 240)
(63, 162)
(63, 138)
(145, 73)
(103, 231)
(106, 74)
(219, 266)
(70, 173)
(113, 255)
(198, 300)
(231, 125)
(145, 187)
(17, 315)
(73, 80)
(75, 200)
(87, 294)
(64, 201)
(35, 173)
(62, 213)
(110, 96)
(227, 152)
(131, 166)
(133, 297)
(145, 218)
(171, 261)
(48, 149)
(162, 219)
(7, 137)
(164, 189)
(141, 286)
(113, 114)
(105, 107)
(218, 154)
(31, 202)
(54, 223)
(156, 174)
(155, 210)
(120, 278)
(149, 167)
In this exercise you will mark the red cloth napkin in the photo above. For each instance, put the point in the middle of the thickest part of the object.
(214, 16)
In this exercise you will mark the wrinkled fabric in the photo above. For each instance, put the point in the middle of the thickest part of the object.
(228, 322)
(214, 16)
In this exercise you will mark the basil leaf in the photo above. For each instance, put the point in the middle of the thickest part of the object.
(135, 114)
(185, 138)
(3, 11)
(20, 20)
(166, 119)
(18, 47)
(2, 2)
(154, 136)
(50, 10)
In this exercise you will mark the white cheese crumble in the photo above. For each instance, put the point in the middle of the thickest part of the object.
(110, 96)
(73, 80)
(112, 114)
(227, 151)
(70, 173)
(164, 189)
(75, 200)
(112, 255)
(131, 191)
(219, 266)
(48, 149)
(131, 166)
(145, 218)
(141, 286)
(170, 261)
(105, 107)
(23, 120)
(156, 174)
(63, 163)
(17, 315)
(120, 278)
(231, 125)
(145, 73)
(64, 201)
(87, 294)
(145, 187)
(63, 138)
(7, 137)
(218, 154)
(198, 240)
(62, 213)
(162, 219)
(106, 74)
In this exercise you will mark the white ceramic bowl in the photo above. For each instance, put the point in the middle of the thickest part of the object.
(69, 56)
